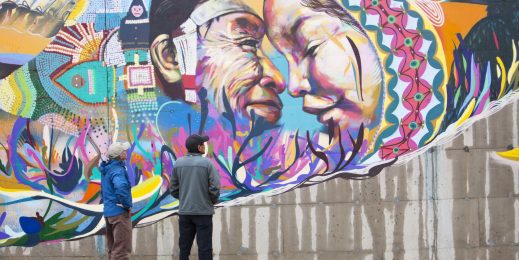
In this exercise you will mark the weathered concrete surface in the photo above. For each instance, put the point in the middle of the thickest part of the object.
(449, 203)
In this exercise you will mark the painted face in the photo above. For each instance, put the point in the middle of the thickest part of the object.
(233, 68)
(137, 10)
(332, 64)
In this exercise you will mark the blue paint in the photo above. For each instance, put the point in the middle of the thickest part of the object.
(30, 225)
(15, 58)
(293, 117)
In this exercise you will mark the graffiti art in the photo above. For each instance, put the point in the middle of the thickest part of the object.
(291, 94)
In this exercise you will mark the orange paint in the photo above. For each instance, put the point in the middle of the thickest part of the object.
(26, 43)
(92, 189)
(459, 18)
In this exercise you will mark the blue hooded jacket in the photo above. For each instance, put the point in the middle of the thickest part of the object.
(115, 188)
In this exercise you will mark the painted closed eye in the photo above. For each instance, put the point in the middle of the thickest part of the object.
(311, 49)
(249, 44)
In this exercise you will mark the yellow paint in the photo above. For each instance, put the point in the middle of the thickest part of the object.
(6, 101)
(16, 95)
(26, 43)
(76, 12)
(170, 205)
(514, 67)
(510, 155)
(146, 187)
(503, 77)
(11, 188)
(291, 151)
(468, 111)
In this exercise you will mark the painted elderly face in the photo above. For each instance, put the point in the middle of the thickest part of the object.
(332, 64)
(137, 10)
(233, 68)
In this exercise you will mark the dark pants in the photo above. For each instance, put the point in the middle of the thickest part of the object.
(119, 236)
(202, 227)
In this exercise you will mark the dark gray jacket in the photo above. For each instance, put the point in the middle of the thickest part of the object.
(196, 184)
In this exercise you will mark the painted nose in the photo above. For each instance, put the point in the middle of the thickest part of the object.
(298, 84)
(271, 76)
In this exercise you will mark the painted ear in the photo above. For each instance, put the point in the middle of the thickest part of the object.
(164, 57)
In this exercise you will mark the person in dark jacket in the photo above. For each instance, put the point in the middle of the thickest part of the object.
(134, 32)
(196, 184)
(117, 201)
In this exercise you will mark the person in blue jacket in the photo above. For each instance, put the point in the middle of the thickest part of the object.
(117, 200)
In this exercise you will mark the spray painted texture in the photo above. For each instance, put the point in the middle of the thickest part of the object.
(291, 93)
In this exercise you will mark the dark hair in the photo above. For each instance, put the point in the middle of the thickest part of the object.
(193, 149)
(332, 8)
(165, 17)
(168, 15)
(130, 16)
(195, 140)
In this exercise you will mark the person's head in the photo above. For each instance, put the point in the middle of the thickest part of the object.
(228, 60)
(196, 143)
(137, 10)
(118, 151)
(333, 65)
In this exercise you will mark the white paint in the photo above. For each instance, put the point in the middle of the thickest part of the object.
(516, 221)
(28, 250)
(488, 130)
(299, 225)
(351, 234)
(382, 184)
(411, 185)
(515, 134)
(468, 137)
(515, 175)
(245, 227)
(313, 228)
(487, 193)
(262, 234)
(297, 193)
(165, 237)
(389, 223)
(328, 224)
(444, 175)
(217, 231)
(445, 232)
(411, 222)
(411, 255)
(228, 220)
(313, 193)
(367, 234)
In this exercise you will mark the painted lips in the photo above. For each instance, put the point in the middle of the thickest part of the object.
(265, 103)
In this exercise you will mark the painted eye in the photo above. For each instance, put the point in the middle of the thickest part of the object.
(311, 50)
(249, 43)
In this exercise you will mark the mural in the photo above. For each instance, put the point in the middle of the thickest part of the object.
(291, 93)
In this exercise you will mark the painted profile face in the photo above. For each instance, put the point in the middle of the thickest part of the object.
(137, 10)
(234, 69)
(332, 64)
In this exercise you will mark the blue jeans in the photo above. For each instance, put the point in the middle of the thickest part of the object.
(202, 227)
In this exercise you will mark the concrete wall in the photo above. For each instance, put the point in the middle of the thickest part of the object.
(457, 201)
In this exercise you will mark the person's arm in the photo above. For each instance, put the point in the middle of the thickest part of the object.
(175, 186)
(214, 184)
(122, 188)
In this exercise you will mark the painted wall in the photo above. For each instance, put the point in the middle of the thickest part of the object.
(291, 93)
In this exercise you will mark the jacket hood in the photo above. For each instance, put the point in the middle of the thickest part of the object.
(106, 165)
